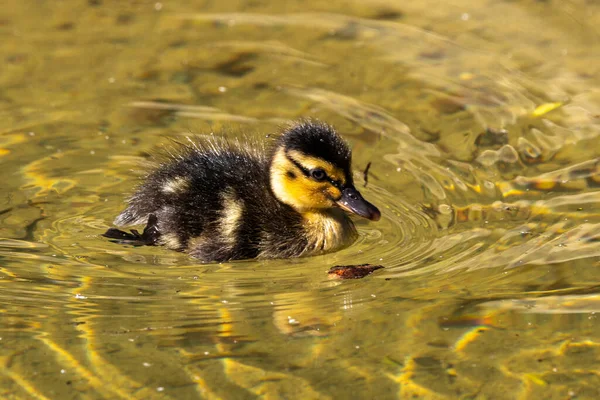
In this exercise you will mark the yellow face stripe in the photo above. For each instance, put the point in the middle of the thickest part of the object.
(291, 186)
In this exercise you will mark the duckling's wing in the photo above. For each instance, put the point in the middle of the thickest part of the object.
(196, 173)
(164, 179)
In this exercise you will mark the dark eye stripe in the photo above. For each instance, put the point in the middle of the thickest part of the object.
(306, 172)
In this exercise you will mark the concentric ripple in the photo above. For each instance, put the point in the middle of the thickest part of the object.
(482, 140)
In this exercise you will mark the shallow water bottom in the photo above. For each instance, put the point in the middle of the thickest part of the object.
(480, 122)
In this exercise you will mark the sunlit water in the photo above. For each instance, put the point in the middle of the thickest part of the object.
(480, 119)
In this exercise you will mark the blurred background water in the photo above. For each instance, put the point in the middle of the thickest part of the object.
(480, 119)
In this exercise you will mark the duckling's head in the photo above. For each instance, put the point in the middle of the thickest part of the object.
(311, 171)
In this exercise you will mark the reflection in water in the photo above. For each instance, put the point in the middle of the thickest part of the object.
(482, 139)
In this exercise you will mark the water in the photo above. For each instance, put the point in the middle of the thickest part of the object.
(481, 123)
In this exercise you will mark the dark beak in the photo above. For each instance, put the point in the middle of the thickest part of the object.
(353, 202)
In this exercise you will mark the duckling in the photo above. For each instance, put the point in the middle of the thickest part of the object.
(220, 201)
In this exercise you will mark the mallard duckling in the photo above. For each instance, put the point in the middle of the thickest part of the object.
(221, 201)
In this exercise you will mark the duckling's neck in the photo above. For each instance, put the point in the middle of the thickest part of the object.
(328, 230)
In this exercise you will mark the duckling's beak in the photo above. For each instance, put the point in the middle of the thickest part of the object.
(353, 202)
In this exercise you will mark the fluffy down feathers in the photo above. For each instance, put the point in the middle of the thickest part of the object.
(213, 199)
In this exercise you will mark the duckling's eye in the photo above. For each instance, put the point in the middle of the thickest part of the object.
(318, 174)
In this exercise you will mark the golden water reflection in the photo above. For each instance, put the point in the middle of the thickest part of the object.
(481, 122)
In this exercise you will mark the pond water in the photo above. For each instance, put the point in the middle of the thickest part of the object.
(480, 119)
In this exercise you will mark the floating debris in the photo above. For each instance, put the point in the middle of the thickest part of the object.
(545, 108)
(366, 174)
(353, 271)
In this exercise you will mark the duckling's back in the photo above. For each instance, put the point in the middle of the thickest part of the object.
(214, 201)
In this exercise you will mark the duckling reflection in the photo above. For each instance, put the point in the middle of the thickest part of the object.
(221, 201)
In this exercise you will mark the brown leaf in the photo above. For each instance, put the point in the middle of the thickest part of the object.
(353, 271)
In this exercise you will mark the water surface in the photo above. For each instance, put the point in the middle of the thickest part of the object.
(481, 122)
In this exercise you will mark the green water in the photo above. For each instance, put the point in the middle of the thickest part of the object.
(480, 119)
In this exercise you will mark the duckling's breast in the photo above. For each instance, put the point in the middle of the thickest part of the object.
(329, 230)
